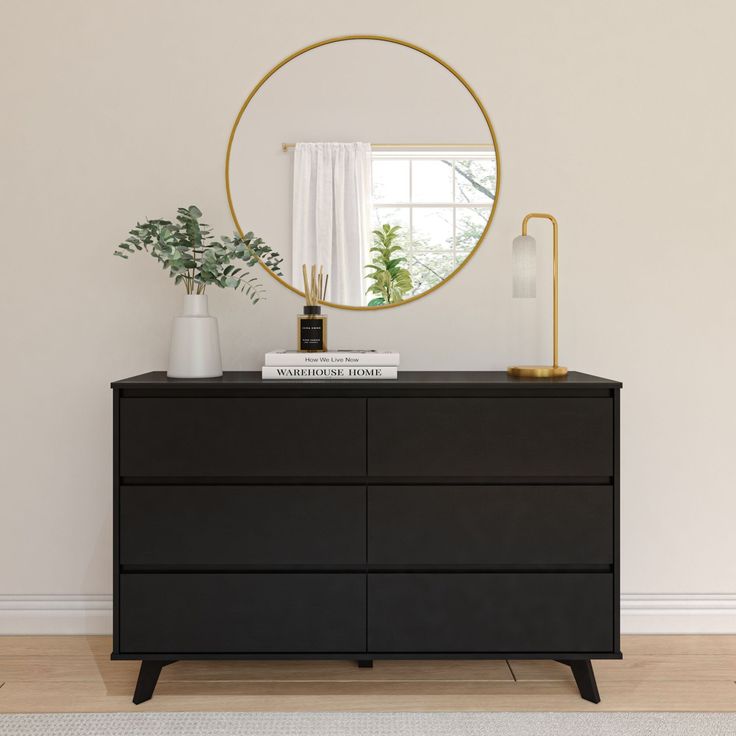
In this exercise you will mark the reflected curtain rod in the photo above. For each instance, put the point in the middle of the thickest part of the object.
(287, 146)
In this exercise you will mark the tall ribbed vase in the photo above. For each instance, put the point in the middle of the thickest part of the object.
(195, 342)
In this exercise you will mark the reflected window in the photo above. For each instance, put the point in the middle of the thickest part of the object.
(440, 200)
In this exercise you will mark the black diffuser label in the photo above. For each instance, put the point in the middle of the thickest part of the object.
(311, 334)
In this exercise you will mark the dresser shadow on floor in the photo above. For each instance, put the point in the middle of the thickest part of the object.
(317, 679)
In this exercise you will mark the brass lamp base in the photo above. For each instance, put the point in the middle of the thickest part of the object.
(537, 371)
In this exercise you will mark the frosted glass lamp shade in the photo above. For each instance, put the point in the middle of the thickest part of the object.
(524, 267)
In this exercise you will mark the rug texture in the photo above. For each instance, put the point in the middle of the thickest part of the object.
(369, 724)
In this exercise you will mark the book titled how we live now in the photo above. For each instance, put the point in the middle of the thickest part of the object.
(333, 364)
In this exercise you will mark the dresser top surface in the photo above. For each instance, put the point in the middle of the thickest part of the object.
(406, 379)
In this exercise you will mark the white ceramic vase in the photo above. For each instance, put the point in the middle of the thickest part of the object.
(195, 342)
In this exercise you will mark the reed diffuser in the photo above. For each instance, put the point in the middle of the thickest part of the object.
(311, 327)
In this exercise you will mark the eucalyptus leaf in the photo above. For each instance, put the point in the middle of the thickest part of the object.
(186, 248)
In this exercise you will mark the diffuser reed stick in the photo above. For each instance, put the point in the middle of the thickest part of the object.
(312, 325)
(315, 284)
(306, 283)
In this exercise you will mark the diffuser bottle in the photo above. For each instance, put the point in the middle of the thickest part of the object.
(311, 327)
(312, 330)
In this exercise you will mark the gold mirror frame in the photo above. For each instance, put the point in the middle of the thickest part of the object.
(408, 45)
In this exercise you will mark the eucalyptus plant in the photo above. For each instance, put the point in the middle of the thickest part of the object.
(391, 279)
(194, 258)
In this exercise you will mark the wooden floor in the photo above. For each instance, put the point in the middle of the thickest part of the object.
(74, 673)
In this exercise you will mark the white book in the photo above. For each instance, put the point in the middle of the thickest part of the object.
(353, 373)
(332, 357)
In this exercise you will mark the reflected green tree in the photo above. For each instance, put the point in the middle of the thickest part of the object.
(390, 277)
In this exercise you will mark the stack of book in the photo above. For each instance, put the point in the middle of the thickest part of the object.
(332, 364)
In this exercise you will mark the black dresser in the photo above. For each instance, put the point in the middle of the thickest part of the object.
(442, 515)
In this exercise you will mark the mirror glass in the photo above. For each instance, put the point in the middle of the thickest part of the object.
(371, 159)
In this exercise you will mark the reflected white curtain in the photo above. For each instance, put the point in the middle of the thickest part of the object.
(332, 216)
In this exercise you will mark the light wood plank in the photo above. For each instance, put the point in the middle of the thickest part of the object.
(630, 644)
(636, 669)
(467, 696)
(692, 667)
(55, 645)
(73, 674)
(666, 644)
(342, 671)
(543, 670)
(77, 668)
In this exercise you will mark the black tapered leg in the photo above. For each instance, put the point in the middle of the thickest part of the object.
(365, 663)
(147, 679)
(582, 670)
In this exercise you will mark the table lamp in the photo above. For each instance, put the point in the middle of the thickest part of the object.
(524, 268)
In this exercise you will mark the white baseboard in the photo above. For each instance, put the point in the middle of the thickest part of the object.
(55, 614)
(678, 613)
(640, 614)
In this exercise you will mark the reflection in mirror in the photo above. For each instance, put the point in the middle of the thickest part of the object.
(440, 201)
(389, 221)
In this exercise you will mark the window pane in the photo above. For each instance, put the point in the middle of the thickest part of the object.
(432, 229)
(390, 180)
(392, 216)
(428, 269)
(475, 180)
(431, 181)
(470, 223)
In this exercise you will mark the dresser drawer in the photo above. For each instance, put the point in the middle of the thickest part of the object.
(485, 612)
(298, 526)
(490, 525)
(490, 437)
(236, 437)
(190, 613)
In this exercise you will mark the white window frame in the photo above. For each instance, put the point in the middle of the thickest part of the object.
(413, 155)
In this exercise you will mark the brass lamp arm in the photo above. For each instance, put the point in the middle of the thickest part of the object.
(553, 220)
(539, 216)
(555, 369)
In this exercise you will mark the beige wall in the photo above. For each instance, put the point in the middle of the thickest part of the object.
(617, 117)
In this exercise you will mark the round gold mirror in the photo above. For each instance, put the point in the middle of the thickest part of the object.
(371, 158)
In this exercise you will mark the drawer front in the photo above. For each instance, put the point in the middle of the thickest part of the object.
(221, 437)
(485, 612)
(464, 437)
(490, 525)
(242, 613)
(242, 525)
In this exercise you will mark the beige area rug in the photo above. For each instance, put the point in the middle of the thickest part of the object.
(369, 724)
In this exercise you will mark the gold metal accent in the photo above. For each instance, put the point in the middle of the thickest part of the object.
(408, 45)
(537, 371)
(413, 146)
(554, 370)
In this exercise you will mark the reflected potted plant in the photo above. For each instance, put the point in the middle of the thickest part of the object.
(391, 279)
(195, 259)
